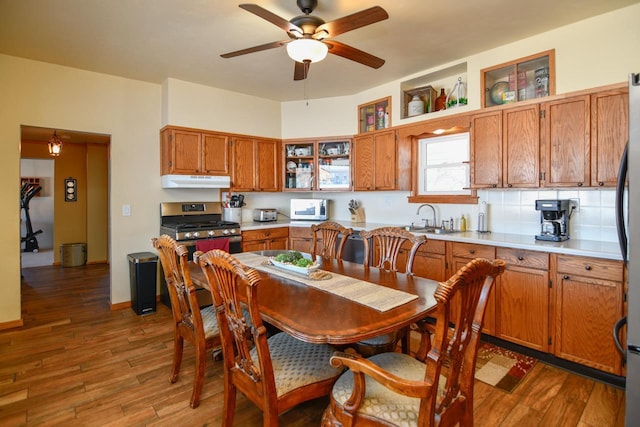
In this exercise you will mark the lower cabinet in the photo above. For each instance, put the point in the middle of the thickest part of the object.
(430, 260)
(300, 239)
(522, 298)
(265, 239)
(589, 300)
(460, 254)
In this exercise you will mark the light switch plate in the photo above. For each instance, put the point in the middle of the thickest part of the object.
(126, 210)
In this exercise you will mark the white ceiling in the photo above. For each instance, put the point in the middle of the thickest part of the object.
(152, 40)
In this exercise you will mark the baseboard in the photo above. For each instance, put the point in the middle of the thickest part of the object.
(11, 324)
(121, 306)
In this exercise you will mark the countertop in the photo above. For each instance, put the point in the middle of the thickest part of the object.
(589, 248)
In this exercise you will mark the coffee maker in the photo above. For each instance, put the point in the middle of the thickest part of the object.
(554, 219)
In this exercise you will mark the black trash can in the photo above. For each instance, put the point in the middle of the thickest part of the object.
(143, 267)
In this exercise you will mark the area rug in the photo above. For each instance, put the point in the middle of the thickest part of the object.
(502, 368)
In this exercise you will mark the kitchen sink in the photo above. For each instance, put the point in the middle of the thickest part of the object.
(428, 230)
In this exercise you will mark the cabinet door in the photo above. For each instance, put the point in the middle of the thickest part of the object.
(430, 261)
(363, 167)
(254, 245)
(243, 177)
(566, 142)
(281, 243)
(486, 150)
(185, 152)
(521, 145)
(384, 170)
(609, 134)
(268, 172)
(587, 309)
(215, 159)
(522, 301)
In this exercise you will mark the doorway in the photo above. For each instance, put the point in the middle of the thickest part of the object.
(83, 218)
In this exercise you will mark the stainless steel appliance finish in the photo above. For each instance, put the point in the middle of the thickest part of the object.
(188, 222)
(554, 219)
(265, 215)
(630, 248)
(309, 209)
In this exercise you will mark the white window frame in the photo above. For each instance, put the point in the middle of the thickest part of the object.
(423, 164)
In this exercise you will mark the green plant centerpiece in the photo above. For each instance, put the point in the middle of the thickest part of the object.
(294, 258)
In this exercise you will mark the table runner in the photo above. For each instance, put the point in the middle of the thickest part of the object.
(370, 294)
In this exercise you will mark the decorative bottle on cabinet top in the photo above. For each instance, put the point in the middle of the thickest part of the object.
(441, 101)
(415, 107)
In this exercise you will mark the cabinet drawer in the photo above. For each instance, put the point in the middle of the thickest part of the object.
(433, 247)
(469, 250)
(300, 232)
(524, 258)
(590, 267)
(268, 233)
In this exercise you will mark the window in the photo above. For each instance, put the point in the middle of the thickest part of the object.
(443, 163)
(441, 169)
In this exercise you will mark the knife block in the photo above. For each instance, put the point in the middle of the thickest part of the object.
(357, 215)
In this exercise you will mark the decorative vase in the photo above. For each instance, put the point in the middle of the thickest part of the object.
(441, 101)
(415, 107)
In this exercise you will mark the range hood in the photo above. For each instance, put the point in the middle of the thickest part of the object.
(195, 181)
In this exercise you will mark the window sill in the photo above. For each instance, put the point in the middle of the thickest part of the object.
(462, 200)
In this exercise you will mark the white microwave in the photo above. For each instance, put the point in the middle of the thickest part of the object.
(310, 209)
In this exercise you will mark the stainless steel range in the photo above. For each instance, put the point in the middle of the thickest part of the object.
(190, 222)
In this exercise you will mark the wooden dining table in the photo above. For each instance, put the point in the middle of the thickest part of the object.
(317, 316)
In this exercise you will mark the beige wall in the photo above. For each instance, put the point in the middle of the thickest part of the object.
(594, 52)
(591, 53)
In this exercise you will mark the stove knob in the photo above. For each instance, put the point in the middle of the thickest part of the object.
(211, 233)
(233, 231)
(225, 232)
(187, 235)
(196, 234)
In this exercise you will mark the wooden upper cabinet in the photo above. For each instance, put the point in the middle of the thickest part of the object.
(609, 135)
(486, 150)
(186, 151)
(375, 161)
(255, 164)
(215, 160)
(566, 142)
(521, 146)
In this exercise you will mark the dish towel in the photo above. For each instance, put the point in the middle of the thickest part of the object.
(207, 245)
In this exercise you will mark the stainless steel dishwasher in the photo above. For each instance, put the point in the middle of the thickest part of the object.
(354, 249)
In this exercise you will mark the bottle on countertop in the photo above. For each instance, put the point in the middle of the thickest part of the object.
(463, 223)
(451, 224)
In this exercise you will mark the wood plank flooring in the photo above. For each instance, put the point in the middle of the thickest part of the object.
(75, 362)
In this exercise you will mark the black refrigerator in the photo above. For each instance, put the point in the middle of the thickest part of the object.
(628, 216)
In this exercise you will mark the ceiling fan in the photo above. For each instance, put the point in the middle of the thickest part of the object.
(311, 38)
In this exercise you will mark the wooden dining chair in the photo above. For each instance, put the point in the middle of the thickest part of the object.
(190, 323)
(437, 391)
(382, 249)
(329, 232)
(275, 373)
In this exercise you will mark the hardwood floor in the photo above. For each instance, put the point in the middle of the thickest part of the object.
(75, 362)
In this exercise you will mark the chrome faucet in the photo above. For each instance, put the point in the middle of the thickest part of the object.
(425, 220)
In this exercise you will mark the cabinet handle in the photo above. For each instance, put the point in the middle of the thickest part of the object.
(601, 184)
(520, 258)
(494, 185)
(472, 251)
(509, 185)
(587, 267)
(266, 233)
(579, 184)
(565, 277)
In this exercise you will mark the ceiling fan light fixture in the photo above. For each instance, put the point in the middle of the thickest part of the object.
(55, 145)
(302, 50)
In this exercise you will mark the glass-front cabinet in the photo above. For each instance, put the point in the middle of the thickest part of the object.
(317, 165)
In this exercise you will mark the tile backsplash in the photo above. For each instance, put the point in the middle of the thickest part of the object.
(509, 211)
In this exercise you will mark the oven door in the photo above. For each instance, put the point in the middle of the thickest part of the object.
(204, 297)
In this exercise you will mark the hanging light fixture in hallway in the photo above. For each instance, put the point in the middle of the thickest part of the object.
(55, 145)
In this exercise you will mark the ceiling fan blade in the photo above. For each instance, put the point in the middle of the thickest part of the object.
(255, 49)
(354, 54)
(351, 22)
(271, 17)
(300, 71)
